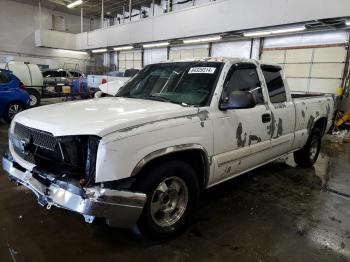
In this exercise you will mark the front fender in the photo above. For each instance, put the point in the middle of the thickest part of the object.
(120, 157)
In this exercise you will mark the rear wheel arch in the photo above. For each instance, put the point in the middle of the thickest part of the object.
(194, 155)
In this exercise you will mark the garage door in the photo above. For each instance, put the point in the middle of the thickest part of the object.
(189, 52)
(130, 59)
(310, 69)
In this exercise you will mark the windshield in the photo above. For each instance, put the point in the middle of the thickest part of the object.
(185, 83)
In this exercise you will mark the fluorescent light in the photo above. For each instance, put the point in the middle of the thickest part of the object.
(72, 51)
(103, 50)
(74, 4)
(257, 33)
(347, 23)
(289, 30)
(275, 32)
(160, 44)
(200, 40)
(128, 47)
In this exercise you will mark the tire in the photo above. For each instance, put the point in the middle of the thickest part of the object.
(34, 97)
(12, 110)
(172, 191)
(308, 155)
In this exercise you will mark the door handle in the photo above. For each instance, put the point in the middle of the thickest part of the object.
(266, 118)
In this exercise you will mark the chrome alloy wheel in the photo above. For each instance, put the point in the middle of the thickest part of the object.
(33, 100)
(313, 147)
(13, 110)
(169, 201)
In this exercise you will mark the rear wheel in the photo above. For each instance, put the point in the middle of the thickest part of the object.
(172, 191)
(308, 155)
(34, 97)
(12, 110)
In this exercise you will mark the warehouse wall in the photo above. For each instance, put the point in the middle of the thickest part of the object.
(214, 17)
(312, 62)
(20, 44)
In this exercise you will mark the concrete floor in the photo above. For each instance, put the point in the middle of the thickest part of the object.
(275, 213)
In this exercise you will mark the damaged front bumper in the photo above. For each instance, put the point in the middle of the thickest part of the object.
(120, 208)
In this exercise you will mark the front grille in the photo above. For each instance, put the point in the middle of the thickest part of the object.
(30, 143)
(39, 138)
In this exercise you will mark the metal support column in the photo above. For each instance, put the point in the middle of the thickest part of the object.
(40, 18)
(102, 13)
(251, 48)
(261, 46)
(81, 20)
(130, 10)
(170, 6)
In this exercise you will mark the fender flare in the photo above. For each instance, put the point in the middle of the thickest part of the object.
(174, 149)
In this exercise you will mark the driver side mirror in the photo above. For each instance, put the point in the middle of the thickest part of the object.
(238, 100)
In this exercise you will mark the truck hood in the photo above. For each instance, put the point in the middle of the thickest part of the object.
(99, 116)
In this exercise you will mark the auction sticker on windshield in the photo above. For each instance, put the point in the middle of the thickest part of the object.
(202, 70)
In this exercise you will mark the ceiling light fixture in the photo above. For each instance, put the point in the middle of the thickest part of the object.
(120, 48)
(201, 40)
(257, 33)
(275, 32)
(289, 30)
(72, 51)
(103, 50)
(347, 23)
(160, 44)
(74, 4)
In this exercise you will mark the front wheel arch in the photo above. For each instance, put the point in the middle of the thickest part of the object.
(197, 158)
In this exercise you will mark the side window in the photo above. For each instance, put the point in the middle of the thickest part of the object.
(4, 77)
(75, 74)
(245, 79)
(275, 85)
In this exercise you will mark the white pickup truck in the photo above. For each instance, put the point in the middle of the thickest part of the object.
(176, 128)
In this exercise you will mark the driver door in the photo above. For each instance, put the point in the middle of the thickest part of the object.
(241, 136)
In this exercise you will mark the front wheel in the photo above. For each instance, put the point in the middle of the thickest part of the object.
(172, 191)
(12, 110)
(34, 97)
(308, 155)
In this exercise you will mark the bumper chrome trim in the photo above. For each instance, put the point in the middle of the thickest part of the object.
(120, 208)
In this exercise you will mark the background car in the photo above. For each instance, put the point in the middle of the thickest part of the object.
(111, 88)
(30, 75)
(13, 96)
(60, 77)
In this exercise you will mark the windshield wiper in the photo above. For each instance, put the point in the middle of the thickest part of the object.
(164, 99)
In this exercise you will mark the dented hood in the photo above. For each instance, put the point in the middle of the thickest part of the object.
(99, 116)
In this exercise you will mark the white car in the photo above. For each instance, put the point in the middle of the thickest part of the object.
(174, 129)
(111, 88)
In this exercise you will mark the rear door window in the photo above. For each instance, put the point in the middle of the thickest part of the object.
(275, 84)
(245, 78)
(4, 77)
